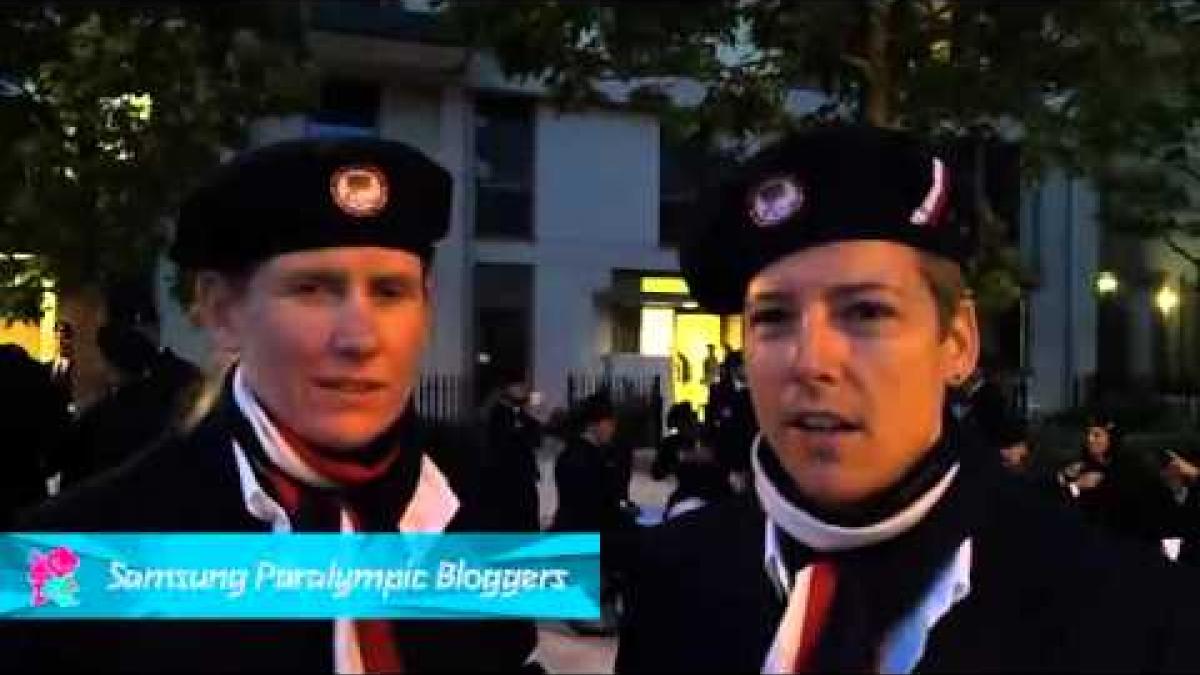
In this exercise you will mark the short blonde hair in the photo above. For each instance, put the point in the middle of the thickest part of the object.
(946, 282)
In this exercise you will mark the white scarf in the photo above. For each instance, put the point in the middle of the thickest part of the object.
(276, 447)
(825, 537)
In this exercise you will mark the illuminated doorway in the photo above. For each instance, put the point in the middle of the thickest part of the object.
(694, 368)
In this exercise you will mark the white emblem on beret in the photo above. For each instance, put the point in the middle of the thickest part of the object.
(775, 200)
(359, 190)
(935, 199)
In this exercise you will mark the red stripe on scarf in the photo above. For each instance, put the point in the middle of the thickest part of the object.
(821, 587)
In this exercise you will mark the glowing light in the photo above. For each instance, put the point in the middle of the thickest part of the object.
(674, 285)
(1167, 299)
(657, 332)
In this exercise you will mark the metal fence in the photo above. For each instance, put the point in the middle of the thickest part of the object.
(448, 401)
(1140, 401)
(444, 399)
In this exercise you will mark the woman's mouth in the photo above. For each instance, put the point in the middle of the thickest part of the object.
(350, 385)
(821, 422)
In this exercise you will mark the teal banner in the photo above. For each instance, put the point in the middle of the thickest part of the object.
(299, 576)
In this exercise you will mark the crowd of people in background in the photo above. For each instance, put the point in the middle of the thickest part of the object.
(149, 389)
(1146, 499)
(706, 452)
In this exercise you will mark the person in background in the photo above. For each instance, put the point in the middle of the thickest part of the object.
(1111, 488)
(1173, 505)
(702, 482)
(980, 403)
(591, 498)
(731, 420)
(62, 368)
(712, 366)
(151, 392)
(682, 427)
(587, 475)
(512, 439)
(31, 424)
(682, 368)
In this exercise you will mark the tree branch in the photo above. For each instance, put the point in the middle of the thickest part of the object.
(857, 62)
(1189, 171)
(1182, 252)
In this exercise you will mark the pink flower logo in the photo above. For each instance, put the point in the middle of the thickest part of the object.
(62, 561)
(52, 577)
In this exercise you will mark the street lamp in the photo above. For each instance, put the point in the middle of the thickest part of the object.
(1167, 299)
(1106, 283)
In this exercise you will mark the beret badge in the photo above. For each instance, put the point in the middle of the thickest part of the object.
(775, 200)
(359, 191)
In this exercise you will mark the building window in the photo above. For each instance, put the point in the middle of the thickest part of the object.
(503, 168)
(679, 191)
(503, 322)
(686, 167)
(346, 108)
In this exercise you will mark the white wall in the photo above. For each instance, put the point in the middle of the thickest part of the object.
(596, 178)
(449, 340)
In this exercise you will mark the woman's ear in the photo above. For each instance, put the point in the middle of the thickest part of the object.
(217, 300)
(961, 344)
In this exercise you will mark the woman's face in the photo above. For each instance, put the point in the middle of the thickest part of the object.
(330, 340)
(848, 367)
(1098, 440)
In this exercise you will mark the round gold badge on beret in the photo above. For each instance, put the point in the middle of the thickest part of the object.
(360, 191)
(775, 200)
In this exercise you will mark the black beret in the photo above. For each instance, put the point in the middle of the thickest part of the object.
(817, 187)
(314, 193)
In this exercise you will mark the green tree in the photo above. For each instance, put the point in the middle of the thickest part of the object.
(1152, 189)
(110, 111)
(1063, 79)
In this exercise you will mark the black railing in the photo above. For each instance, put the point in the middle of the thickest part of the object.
(444, 399)
(1139, 402)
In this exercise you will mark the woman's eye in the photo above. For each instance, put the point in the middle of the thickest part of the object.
(768, 316)
(394, 291)
(308, 288)
(868, 311)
